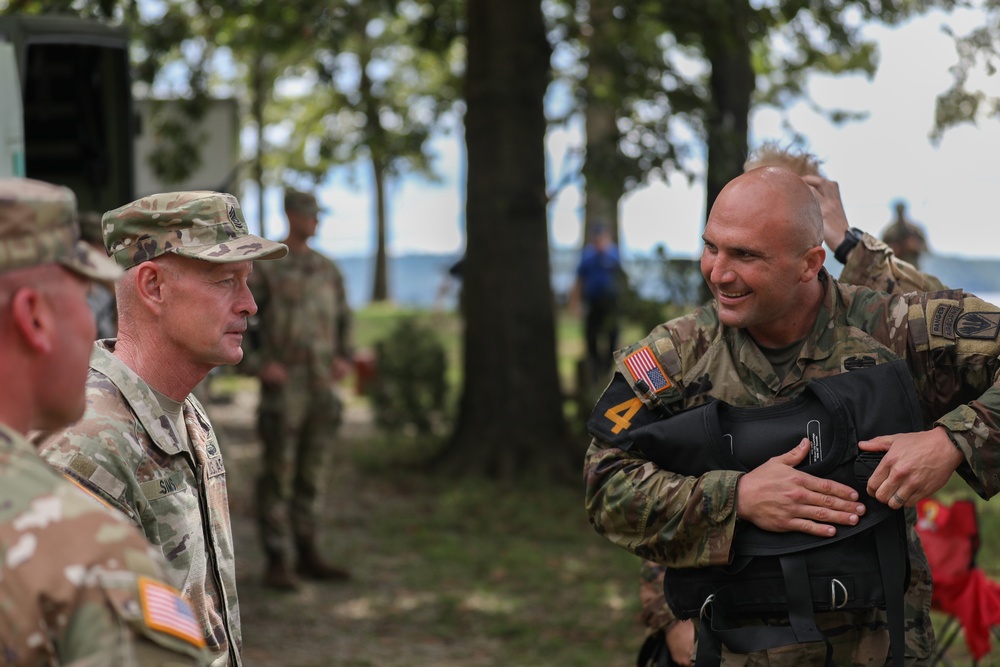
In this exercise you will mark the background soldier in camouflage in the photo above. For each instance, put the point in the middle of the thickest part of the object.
(78, 584)
(905, 237)
(779, 321)
(145, 445)
(299, 349)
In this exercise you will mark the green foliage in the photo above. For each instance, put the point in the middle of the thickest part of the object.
(967, 99)
(410, 389)
(652, 62)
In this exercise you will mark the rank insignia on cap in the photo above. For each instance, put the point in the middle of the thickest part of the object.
(165, 610)
(645, 368)
(235, 219)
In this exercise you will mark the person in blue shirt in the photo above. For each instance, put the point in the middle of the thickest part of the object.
(599, 280)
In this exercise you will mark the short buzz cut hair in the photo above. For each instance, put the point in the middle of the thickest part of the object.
(772, 154)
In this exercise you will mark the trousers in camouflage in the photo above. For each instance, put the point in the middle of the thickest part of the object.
(297, 426)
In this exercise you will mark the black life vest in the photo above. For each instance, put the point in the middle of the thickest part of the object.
(793, 575)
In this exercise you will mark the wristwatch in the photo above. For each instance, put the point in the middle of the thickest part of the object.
(851, 239)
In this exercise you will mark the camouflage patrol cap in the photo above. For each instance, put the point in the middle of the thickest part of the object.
(302, 202)
(200, 225)
(38, 226)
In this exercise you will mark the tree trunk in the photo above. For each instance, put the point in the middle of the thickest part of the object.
(380, 161)
(511, 419)
(380, 288)
(732, 82)
(603, 190)
(257, 111)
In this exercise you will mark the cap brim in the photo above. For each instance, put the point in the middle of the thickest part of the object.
(90, 263)
(318, 210)
(249, 247)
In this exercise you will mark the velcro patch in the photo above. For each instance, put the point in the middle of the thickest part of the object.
(165, 610)
(163, 486)
(97, 475)
(617, 412)
(943, 320)
(215, 467)
(645, 368)
(982, 326)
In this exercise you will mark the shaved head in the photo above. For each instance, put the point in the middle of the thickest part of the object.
(783, 195)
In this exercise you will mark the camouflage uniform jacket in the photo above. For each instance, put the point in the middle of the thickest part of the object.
(873, 264)
(949, 341)
(126, 452)
(303, 320)
(76, 580)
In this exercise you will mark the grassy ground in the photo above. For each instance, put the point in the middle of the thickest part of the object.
(448, 572)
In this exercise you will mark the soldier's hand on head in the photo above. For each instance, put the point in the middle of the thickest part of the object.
(777, 497)
(835, 223)
(915, 466)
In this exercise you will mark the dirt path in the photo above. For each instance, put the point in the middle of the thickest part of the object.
(359, 623)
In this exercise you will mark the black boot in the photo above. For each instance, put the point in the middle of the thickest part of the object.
(279, 575)
(312, 566)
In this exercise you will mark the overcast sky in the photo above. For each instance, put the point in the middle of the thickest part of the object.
(952, 188)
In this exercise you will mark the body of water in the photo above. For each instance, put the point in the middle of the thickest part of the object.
(422, 281)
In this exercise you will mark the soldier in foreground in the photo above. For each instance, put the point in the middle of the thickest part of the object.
(867, 262)
(78, 584)
(779, 322)
(145, 445)
(299, 350)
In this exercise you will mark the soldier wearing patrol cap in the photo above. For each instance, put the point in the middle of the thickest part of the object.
(301, 348)
(145, 445)
(78, 584)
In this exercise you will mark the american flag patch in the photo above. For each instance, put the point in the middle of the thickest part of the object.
(165, 610)
(644, 366)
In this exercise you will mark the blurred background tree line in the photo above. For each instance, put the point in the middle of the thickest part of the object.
(368, 82)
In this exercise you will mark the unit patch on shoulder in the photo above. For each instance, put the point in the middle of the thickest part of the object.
(645, 368)
(943, 320)
(983, 326)
(165, 610)
(618, 412)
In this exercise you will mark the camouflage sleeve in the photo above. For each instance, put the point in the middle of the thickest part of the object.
(952, 345)
(963, 339)
(872, 264)
(658, 515)
(83, 586)
(656, 614)
(90, 457)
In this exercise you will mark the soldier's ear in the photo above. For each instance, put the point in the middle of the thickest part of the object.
(812, 263)
(149, 278)
(32, 317)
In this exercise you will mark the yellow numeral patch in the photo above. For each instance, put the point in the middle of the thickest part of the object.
(621, 414)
